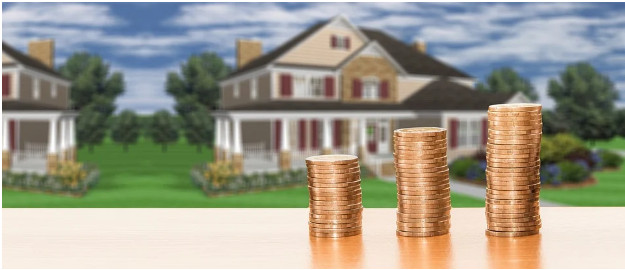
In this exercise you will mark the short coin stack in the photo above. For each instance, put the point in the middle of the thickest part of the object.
(335, 195)
(423, 202)
(513, 169)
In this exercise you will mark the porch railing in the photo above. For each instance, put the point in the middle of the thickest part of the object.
(32, 151)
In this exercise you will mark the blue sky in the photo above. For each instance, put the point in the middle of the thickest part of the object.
(147, 40)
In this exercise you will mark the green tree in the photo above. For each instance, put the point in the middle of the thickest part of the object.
(91, 78)
(620, 122)
(90, 128)
(198, 79)
(507, 80)
(553, 123)
(163, 129)
(126, 129)
(585, 99)
(198, 128)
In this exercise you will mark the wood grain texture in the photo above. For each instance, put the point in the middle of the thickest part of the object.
(278, 238)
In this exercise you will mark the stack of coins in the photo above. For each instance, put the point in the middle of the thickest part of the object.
(335, 195)
(423, 202)
(513, 169)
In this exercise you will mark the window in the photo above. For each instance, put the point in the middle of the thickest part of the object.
(254, 89)
(299, 86)
(36, 90)
(469, 132)
(316, 87)
(53, 91)
(235, 92)
(340, 42)
(371, 88)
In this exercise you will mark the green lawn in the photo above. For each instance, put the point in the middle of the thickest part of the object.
(146, 177)
(617, 143)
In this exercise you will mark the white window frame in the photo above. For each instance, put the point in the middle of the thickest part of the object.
(321, 84)
(469, 132)
(53, 90)
(341, 42)
(370, 88)
(254, 88)
(36, 89)
(235, 92)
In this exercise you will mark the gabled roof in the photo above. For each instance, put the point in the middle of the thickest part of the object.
(412, 61)
(439, 95)
(29, 61)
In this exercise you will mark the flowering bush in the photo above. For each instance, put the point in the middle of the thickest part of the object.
(70, 173)
(218, 173)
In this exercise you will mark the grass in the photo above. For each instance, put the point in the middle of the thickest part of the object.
(617, 143)
(146, 177)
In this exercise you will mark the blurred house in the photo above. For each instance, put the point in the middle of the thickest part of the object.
(37, 124)
(339, 88)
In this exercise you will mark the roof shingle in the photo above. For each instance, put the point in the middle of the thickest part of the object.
(29, 61)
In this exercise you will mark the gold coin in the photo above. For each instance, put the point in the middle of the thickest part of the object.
(508, 192)
(512, 206)
(338, 226)
(321, 230)
(505, 181)
(423, 215)
(509, 118)
(316, 211)
(333, 167)
(423, 140)
(418, 147)
(513, 175)
(440, 210)
(356, 198)
(418, 234)
(409, 228)
(514, 122)
(419, 199)
(512, 160)
(334, 171)
(335, 207)
(334, 185)
(344, 177)
(514, 229)
(407, 193)
(338, 189)
(426, 203)
(421, 132)
(515, 224)
(422, 145)
(512, 156)
(490, 215)
(514, 114)
(492, 164)
(332, 203)
(512, 211)
(334, 235)
(416, 184)
(331, 159)
(535, 128)
(424, 220)
(335, 194)
(507, 220)
(417, 160)
(335, 216)
(418, 151)
(511, 201)
(417, 166)
(532, 169)
(531, 151)
(510, 234)
(515, 136)
(515, 107)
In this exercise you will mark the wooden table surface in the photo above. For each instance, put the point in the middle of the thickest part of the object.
(278, 238)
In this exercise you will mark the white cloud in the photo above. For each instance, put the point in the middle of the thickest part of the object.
(59, 14)
(145, 88)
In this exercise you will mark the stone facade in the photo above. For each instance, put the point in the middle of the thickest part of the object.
(326, 151)
(6, 160)
(42, 50)
(53, 162)
(285, 160)
(365, 66)
(237, 163)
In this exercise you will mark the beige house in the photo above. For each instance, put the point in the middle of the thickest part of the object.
(38, 127)
(339, 88)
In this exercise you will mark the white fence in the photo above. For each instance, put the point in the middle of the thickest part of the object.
(31, 151)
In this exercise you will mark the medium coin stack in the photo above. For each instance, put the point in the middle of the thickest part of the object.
(513, 169)
(423, 202)
(335, 195)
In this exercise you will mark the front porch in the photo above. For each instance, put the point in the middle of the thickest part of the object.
(36, 141)
(282, 141)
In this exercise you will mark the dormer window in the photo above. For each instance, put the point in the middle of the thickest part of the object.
(371, 88)
(340, 42)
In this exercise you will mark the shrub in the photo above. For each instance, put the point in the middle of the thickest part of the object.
(610, 159)
(551, 174)
(562, 146)
(70, 173)
(573, 171)
(218, 173)
(461, 167)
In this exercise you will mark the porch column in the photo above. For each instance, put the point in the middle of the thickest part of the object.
(363, 138)
(327, 137)
(237, 156)
(63, 141)
(53, 157)
(226, 141)
(72, 138)
(353, 136)
(285, 151)
(6, 151)
(217, 148)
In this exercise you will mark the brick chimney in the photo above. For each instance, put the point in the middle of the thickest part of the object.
(420, 46)
(42, 50)
(248, 50)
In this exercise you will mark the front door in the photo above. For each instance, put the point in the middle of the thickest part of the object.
(383, 137)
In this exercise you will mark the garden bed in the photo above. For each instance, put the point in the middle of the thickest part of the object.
(218, 180)
(52, 184)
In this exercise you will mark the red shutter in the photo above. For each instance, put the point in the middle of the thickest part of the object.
(453, 133)
(302, 134)
(356, 88)
(372, 144)
(277, 134)
(329, 86)
(285, 85)
(12, 135)
(484, 131)
(314, 134)
(347, 43)
(6, 85)
(333, 42)
(337, 134)
(384, 89)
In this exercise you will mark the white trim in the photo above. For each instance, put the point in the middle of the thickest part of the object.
(33, 72)
(37, 115)
(246, 75)
(5, 134)
(423, 77)
(284, 134)
(237, 136)
(265, 115)
(254, 88)
(52, 133)
(36, 89)
(236, 90)
(520, 97)
(54, 91)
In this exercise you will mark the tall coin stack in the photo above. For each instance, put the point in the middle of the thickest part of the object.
(335, 195)
(513, 169)
(423, 202)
